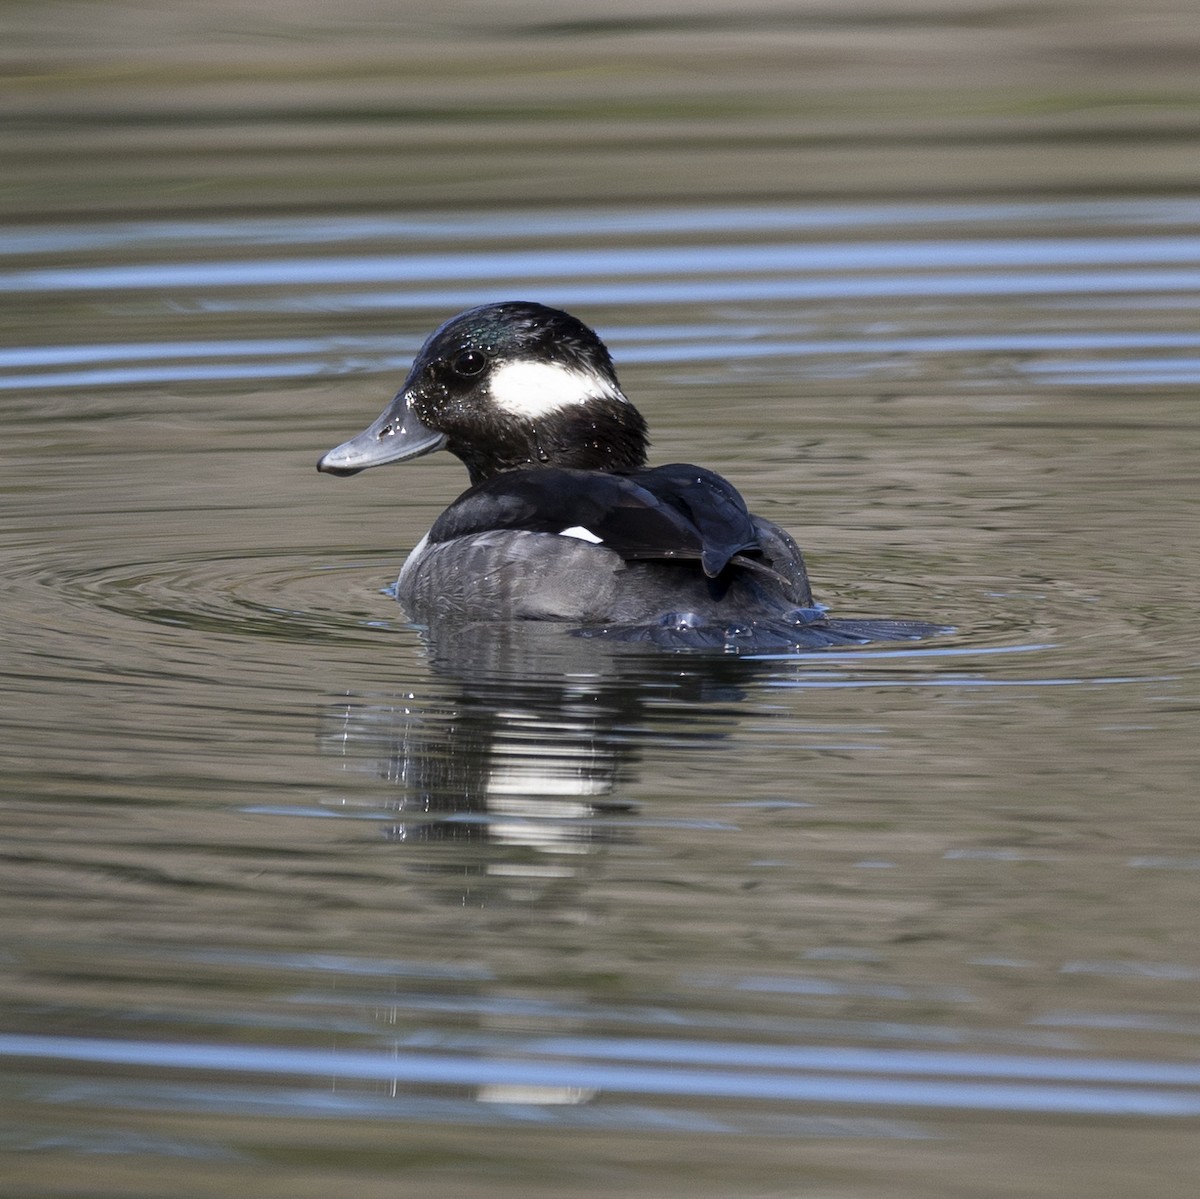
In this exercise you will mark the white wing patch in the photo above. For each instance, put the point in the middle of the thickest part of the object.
(536, 389)
(583, 534)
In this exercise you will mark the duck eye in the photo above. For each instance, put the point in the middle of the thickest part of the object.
(469, 362)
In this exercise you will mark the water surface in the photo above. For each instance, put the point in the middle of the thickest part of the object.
(299, 901)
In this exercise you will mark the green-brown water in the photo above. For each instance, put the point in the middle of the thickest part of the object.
(295, 903)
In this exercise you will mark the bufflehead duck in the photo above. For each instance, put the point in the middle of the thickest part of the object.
(563, 520)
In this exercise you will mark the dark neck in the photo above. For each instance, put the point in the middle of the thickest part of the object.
(608, 435)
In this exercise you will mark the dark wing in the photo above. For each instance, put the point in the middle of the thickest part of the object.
(782, 555)
(673, 511)
(711, 505)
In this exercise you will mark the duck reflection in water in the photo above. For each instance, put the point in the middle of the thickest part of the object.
(524, 741)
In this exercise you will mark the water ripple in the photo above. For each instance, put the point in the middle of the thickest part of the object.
(589, 223)
(268, 596)
(819, 1076)
(624, 263)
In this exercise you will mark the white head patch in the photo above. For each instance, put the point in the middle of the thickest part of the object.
(536, 389)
